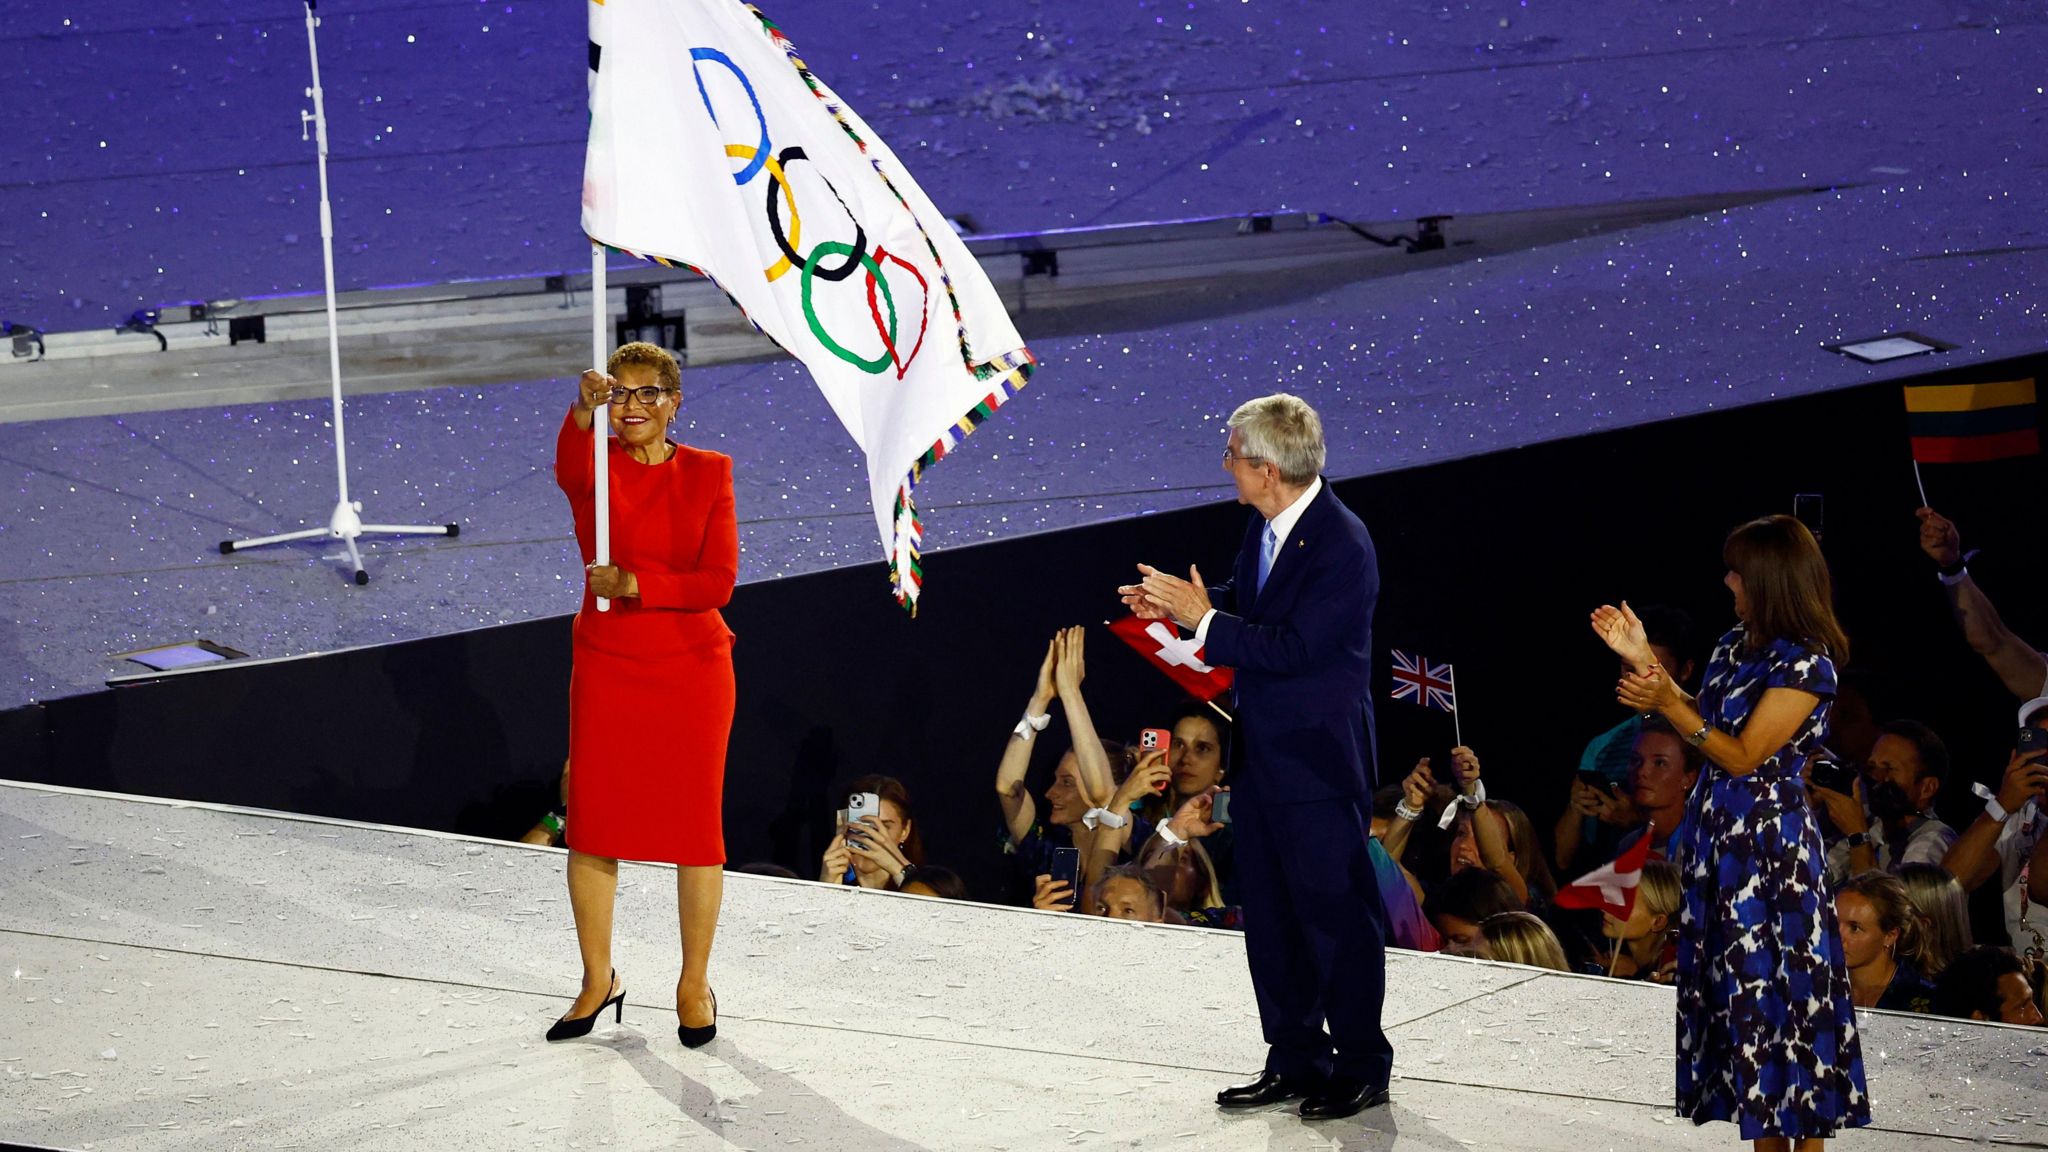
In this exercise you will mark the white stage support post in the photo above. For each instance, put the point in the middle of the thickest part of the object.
(345, 523)
(600, 418)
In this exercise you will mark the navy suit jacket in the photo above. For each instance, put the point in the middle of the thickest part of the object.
(1302, 649)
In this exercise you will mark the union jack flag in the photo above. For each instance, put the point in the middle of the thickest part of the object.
(1430, 685)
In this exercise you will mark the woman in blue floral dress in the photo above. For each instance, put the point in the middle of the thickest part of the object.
(1766, 1028)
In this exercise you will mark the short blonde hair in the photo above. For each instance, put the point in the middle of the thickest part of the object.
(1660, 888)
(1521, 938)
(641, 354)
(1284, 430)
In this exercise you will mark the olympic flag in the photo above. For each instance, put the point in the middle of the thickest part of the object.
(712, 146)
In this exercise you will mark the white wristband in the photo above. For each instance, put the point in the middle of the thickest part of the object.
(1402, 810)
(1477, 798)
(1166, 833)
(1031, 725)
(1992, 807)
(1104, 817)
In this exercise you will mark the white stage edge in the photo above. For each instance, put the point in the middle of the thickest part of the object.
(187, 976)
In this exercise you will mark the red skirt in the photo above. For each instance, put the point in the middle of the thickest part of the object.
(647, 742)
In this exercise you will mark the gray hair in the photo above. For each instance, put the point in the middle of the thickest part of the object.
(1285, 430)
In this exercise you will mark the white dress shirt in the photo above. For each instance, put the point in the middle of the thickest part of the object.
(1283, 527)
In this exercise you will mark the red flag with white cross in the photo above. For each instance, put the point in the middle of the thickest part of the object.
(1160, 643)
(1611, 888)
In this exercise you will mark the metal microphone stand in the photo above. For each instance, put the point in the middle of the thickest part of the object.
(346, 523)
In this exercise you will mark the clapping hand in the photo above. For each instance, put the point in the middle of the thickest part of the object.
(1052, 897)
(1159, 596)
(1620, 630)
(1650, 691)
(1042, 694)
(1069, 664)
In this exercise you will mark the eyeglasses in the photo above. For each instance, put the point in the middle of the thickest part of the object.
(649, 395)
(1230, 458)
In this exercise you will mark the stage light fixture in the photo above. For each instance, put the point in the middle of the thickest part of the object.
(188, 654)
(27, 339)
(1891, 346)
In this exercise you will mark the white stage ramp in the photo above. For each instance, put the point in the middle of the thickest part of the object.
(194, 977)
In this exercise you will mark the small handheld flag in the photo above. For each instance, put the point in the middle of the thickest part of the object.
(1429, 685)
(1160, 643)
(1611, 888)
(1967, 423)
(1970, 423)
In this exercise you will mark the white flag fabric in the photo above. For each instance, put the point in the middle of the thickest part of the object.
(713, 146)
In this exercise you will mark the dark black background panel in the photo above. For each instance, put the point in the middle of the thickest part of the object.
(1491, 563)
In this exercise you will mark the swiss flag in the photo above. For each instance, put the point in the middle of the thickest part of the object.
(1611, 888)
(1159, 642)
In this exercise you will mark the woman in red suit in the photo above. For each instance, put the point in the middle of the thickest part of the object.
(651, 691)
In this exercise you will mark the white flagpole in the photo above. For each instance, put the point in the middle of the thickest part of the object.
(1457, 721)
(600, 417)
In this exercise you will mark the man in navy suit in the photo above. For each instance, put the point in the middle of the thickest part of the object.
(1295, 621)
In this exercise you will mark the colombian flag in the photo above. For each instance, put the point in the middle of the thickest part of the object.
(1966, 423)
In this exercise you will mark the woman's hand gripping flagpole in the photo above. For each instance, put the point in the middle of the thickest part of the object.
(600, 419)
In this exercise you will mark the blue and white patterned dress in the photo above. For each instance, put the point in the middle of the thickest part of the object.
(1766, 1028)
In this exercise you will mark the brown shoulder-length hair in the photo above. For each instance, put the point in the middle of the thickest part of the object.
(1785, 579)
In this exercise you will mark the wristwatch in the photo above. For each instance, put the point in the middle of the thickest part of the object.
(1856, 840)
(1699, 738)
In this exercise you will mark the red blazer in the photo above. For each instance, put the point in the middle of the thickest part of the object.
(673, 528)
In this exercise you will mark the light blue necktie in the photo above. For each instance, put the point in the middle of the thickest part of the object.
(1268, 546)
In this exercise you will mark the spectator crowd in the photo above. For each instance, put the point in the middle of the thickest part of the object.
(1144, 834)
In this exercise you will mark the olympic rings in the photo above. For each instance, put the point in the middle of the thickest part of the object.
(924, 315)
(835, 248)
(777, 179)
(761, 150)
(760, 157)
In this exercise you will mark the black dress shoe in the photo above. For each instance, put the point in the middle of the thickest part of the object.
(1269, 1088)
(570, 1029)
(1341, 1097)
(699, 1037)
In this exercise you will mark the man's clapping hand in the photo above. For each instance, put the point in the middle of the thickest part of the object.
(1159, 596)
